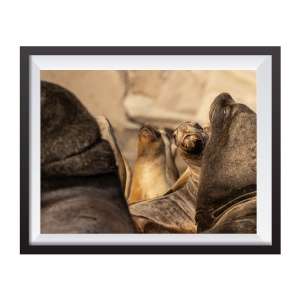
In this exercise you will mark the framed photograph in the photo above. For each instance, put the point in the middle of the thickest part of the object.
(150, 150)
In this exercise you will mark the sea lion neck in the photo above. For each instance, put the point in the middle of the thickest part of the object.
(151, 150)
(193, 161)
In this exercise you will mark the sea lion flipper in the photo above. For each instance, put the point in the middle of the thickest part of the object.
(163, 215)
(181, 181)
(171, 169)
(107, 133)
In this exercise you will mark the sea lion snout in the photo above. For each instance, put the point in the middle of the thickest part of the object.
(193, 143)
(220, 108)
(149, 133)
(150, 141)
(190, 137)
(223, 109)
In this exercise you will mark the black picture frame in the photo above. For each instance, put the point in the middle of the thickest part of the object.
(26, 248)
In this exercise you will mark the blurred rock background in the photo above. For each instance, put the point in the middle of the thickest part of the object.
(160, 98)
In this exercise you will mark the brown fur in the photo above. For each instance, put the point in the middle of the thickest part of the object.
(150, 170)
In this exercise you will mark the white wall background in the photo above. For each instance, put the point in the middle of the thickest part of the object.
(148, 23)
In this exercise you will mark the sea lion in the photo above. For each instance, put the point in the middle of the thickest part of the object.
(80, 187)
(190, 139)
(154, 169)
(175, 212)
(226, 200)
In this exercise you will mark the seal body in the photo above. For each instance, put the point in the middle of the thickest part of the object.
(225, 201)
(154, 170)
(80, 187)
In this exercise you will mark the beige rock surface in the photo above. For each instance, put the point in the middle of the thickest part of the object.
(162, 98)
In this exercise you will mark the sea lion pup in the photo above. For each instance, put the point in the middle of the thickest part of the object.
(227, 193)
(80, 187)
(175, 212)
(154, 169)
(190, 138)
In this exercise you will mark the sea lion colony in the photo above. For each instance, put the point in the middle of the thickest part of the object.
(86, 180)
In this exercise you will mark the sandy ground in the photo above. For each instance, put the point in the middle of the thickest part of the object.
(160, 98)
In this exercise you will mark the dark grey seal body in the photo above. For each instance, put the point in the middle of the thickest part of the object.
(227, 193)
(81, 189)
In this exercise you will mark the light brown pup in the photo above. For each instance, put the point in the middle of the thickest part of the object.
(154, 170)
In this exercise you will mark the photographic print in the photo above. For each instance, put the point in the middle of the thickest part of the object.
(146, 153)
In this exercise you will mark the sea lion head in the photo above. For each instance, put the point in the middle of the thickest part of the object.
(229, 158)
(149, 141)
(190, 138)
(71, 143)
